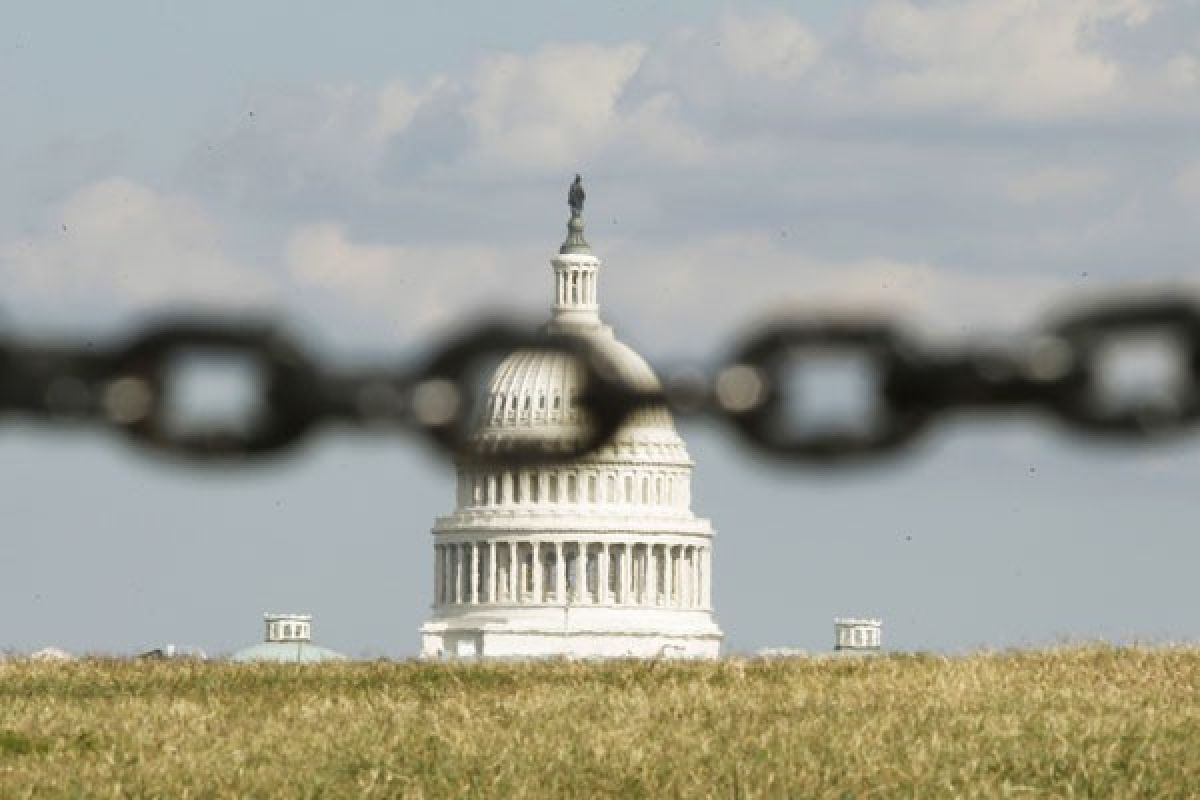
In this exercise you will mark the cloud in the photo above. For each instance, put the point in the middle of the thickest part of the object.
(914, 152)
(1016, 59)
(1056, 183)
(410, 289)
(1187, 183)
(553, 108)
(696, 294)
(119, 244)
(770, 46)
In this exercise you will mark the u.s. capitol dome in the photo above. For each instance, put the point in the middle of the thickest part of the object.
(598, 557)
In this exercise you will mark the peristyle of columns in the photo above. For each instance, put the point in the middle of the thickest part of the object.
(572, 572)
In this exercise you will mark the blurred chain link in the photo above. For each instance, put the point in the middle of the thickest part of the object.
(1057, 370)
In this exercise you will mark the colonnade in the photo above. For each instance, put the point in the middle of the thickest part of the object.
(575, 286)
(562, 572)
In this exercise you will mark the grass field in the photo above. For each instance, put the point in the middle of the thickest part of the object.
(1079, 722)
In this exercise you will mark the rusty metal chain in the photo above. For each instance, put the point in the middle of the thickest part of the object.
(1056, 370)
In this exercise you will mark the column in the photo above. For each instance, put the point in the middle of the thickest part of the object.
(458, 573)
(652, 577)
(679, 570)
(696, 577)
(560, 575)
(642, 569)
(513, 573)
(669, 575)
(437, 574)
(474, 581)
(705, 579)
(581, 572)
(685, 583)
(676, 557)
(693, 554)
(602, 574)
(626, 567)
(694, 599)
(493, 572)
(681, 578)
(536, 563)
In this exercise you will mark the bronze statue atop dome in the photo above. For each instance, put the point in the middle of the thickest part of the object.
(576, 196)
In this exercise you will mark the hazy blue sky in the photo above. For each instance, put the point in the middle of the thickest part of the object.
(376, 174)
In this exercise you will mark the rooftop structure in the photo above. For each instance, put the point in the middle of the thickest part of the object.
(288, 639)
(599, 557)
(857, 635)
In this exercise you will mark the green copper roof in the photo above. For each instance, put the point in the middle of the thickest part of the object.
(575, 242)
(286, 653)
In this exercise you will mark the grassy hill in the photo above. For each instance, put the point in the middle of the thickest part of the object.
(1078, 722)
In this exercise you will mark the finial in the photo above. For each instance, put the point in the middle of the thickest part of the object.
(575, 242)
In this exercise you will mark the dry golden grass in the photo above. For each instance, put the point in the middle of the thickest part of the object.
(1080, 722)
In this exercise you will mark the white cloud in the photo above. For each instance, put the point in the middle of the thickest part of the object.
(695, 294)
(122, 245)
(411, 288)
(397, 104)
(1005, 58)
(553, 108)
(772, 46)
(1056, 183)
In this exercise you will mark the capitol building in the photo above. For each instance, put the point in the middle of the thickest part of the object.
(597, 557)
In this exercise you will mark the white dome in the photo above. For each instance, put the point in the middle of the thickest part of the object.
(535, 390)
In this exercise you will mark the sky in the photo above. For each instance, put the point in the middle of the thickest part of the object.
(377, 175)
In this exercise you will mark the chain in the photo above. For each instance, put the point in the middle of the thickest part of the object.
(1058, 370)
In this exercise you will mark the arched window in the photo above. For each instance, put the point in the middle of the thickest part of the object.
(628, 489)
(552, 488)
(658, 490)
(572, 488)
(645, 488)
(557, 401)
(533, 487)
(611, 487)
(591, 488)
(518, 480)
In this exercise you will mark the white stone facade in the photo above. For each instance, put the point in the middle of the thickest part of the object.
(601, 557)
(852, 634)
(287, 627)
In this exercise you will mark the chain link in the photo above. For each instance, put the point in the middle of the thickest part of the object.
(1059, 370)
